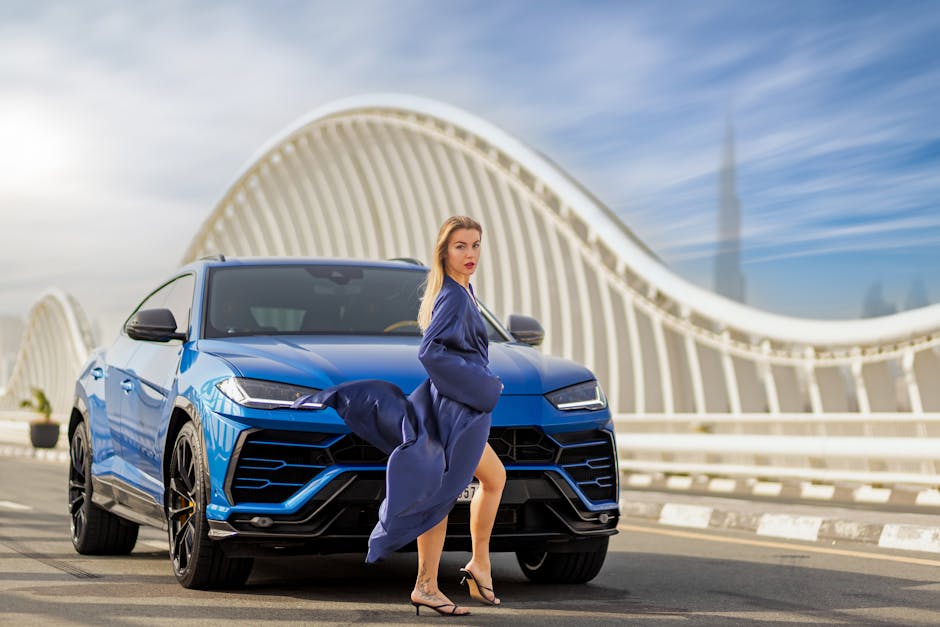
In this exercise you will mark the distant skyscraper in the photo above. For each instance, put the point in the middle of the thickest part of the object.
(917, 295)
(875, 304)
(729, 281)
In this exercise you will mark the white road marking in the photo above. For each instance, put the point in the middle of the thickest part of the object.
(711, 537)
(791, 527)
(722, 485)
(679, 482)
(813, 491)
(767, 488)
(681, 515)
(868, 494)
(928, 497)
(911, 538)
(19, 507)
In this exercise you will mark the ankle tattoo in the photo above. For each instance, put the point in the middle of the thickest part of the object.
(424, 584)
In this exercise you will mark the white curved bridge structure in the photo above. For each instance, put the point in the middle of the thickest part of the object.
(701, 384)
(55, 345)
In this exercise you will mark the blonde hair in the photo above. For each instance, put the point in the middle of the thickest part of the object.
(432, 286)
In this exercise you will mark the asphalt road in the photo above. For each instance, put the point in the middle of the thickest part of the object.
(654, 574)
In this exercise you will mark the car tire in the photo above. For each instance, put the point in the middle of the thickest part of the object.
(197, 561)
(573, 567)
(94, 531)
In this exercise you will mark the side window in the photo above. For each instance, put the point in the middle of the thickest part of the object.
(154, 301)
(177, 296)
(180, 301)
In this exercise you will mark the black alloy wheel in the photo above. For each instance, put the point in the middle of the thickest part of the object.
(198, 562)
(77, 480)
(94, 531)
(182, 507)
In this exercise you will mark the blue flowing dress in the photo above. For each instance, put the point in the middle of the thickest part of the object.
(436, 435)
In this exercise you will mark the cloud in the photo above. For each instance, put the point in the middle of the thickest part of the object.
(163, 105)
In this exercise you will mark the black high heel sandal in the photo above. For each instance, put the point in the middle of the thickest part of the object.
(475, 587)
(437, 608)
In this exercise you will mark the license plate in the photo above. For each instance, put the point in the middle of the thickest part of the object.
(468, 493)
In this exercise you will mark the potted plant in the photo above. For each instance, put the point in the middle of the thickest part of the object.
(43, 432)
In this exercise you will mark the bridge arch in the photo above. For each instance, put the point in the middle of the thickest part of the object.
(55, 345)
(373, 176)
(705, 379)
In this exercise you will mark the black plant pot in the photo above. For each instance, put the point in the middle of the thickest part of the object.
(43, 434)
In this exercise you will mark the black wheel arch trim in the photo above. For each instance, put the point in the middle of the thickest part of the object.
(79, 414)
(188, 408)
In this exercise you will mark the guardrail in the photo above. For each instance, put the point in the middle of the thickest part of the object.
(872, 449)
(16, 415)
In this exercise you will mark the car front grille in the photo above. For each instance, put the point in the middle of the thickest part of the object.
(352, 449)
(273, 465)
(522, 445)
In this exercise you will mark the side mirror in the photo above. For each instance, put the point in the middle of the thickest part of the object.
(153, 325)
(526, 329)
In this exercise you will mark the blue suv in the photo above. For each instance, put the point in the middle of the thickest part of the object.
(189, 422)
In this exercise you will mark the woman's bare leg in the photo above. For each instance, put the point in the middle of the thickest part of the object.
(492, 476)
(430, 547)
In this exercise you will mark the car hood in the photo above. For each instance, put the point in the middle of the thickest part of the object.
(322, 361)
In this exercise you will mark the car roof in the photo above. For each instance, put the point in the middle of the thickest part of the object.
(217, 261)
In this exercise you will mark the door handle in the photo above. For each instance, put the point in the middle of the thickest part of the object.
(97, 373)
(127, 385)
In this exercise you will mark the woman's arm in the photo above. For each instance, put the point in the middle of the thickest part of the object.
(456, 377)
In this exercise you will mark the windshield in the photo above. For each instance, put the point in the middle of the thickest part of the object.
(315, 300)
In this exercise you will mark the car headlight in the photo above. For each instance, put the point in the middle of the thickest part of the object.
(583, 396)
(260, 394)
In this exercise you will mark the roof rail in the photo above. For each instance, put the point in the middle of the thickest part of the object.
(215, 257)
(411, 260)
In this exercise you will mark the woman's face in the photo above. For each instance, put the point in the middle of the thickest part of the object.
(463, 254)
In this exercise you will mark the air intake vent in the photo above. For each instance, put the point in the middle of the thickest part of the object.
(273, 465)
(588, 458)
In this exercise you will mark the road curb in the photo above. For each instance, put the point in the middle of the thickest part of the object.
(47, 455)
(787, 526)
(806, 490)
(908, 537)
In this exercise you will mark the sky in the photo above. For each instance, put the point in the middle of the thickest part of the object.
(122, 124)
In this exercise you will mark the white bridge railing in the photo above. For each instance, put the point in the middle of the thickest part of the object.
(872, 449)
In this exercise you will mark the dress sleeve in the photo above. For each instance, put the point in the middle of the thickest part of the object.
(451, 372)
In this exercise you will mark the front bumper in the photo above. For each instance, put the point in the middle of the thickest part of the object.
(539, 510)
(288, 491)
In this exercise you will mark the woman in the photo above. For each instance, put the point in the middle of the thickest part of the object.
(436, 438)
